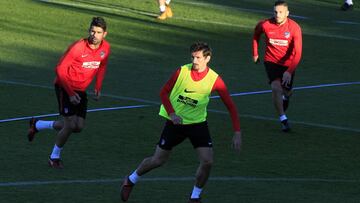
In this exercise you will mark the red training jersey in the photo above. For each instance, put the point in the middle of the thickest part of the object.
(218, 86)
(283, 42)
(80, 64)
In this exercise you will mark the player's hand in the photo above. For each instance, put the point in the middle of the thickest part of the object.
(236, 141)
(177, 120)
(75, 99)
(286, 79)
(256, 59)
(97, 95)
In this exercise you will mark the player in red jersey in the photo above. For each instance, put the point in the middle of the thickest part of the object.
(184, 101)
(81, 63)
(283, 41)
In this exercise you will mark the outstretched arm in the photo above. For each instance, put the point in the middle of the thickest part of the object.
(221, 88)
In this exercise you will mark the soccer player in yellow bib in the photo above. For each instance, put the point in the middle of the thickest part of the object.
(184, 98)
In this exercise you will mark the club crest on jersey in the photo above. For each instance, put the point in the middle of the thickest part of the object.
(102, 54)
(287, 34)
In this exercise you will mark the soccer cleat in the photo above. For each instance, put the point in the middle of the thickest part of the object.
(286, 101)
(168, 12)
(32, 129)
(162, 16)
(126, 188)
(346, 7)
(285, 127)
(194, 200)
(55, 163)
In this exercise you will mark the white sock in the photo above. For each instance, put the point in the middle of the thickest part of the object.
(350, 2)
(196, 192)
(56, 152)
(41, 125)
(283, 117)
(167, 2)
(162, 8)
(134, 177)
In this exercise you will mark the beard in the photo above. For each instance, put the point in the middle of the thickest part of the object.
(280, 20)
(93, 40)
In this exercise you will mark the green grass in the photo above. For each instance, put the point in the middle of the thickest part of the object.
(317, 162)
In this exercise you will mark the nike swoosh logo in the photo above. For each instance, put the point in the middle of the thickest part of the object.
(85, 55)
(189, 91)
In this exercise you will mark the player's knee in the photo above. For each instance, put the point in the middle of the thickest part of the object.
(78, 128)
(276, 87)
(69, 126)
(207, 163)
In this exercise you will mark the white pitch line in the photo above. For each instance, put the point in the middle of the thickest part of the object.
(9, 82)
(295, 88)
(56, 114)
(179, 179)
(51, 87)
(210, 110)
(346, 22)
(213, 97)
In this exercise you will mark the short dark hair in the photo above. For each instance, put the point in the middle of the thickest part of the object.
(98, 22)
(201, 46)
(283, 3)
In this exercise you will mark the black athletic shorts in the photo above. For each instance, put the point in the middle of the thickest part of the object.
(173, 135)
(66, 108)
(275, 72)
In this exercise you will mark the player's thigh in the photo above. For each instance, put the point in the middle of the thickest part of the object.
(171, 136)
(81, 108)
(199, 135)
(274, 71)
(70, 122)
(80, 123)
(66, 108)
(64, 104)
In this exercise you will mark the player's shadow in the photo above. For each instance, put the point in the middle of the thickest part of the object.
(120, 8)
(123, 12)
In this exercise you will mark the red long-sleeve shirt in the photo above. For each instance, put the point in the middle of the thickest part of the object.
(218, 86)
(80, 64)
(283, 42)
